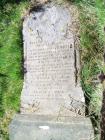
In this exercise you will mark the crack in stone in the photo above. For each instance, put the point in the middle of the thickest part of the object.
(75, 65)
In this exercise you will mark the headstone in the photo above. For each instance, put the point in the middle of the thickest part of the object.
(50, 64)
(51, 88)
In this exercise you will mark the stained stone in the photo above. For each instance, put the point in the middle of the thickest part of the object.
(50, 84)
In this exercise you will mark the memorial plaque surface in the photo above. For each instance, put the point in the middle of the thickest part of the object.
(50, 86)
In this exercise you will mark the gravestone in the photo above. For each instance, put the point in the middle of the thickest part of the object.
(52, 100)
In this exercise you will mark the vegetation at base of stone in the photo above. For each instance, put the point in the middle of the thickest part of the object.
(11, 77)
(92, 40)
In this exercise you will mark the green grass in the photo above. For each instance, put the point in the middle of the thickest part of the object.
(11, 75)
(92, 40)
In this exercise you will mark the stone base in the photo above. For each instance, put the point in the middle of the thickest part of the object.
(30, 127)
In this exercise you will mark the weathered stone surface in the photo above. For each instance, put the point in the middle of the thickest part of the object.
(50, 82)
(29, 127)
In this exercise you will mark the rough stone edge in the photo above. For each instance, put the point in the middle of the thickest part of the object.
(35, 118)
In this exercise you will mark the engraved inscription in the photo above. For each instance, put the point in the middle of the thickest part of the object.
(49, 68)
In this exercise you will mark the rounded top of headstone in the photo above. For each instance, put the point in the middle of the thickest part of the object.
(50, 22)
